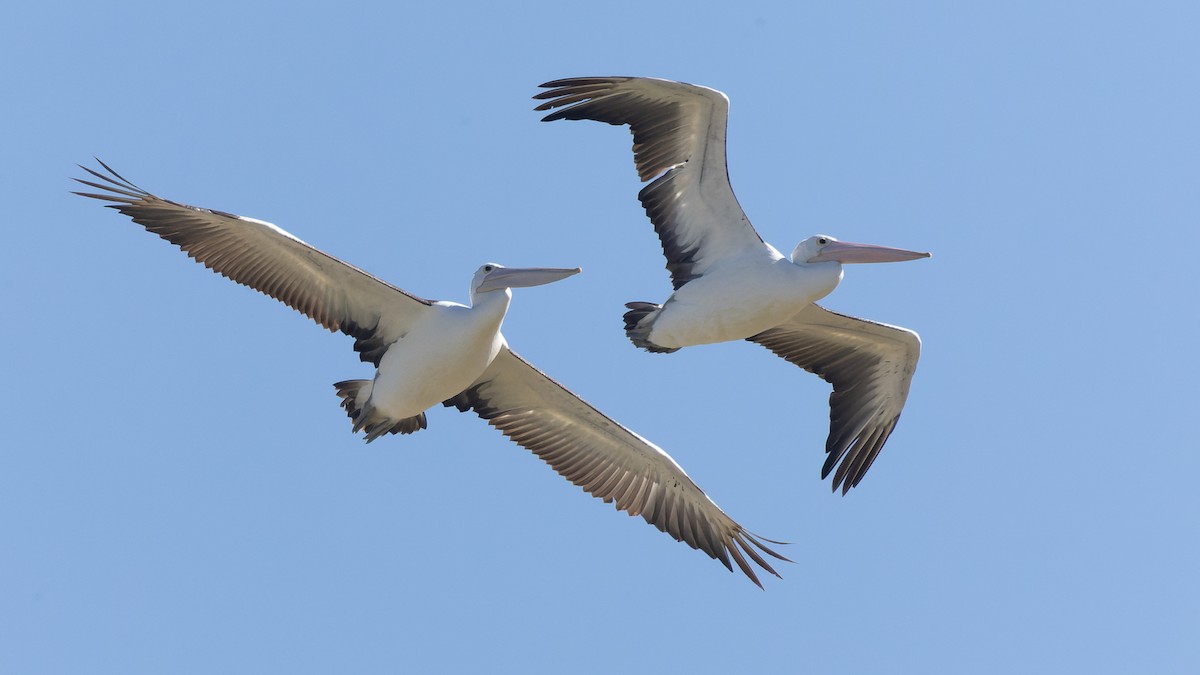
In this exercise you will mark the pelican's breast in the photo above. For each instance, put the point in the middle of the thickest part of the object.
(734, 303)
(437, 359)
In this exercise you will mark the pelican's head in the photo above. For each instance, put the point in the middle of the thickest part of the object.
(823, 248)
(492, 277)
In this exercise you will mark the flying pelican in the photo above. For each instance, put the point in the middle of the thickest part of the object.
(732, 285)
(427, 352)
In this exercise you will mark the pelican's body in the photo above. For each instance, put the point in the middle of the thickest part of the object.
(441, 354)
(736, 299)
(428, 352)
(732, 285)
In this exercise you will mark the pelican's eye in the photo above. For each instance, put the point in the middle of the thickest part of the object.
(488, 268)
(822, 241)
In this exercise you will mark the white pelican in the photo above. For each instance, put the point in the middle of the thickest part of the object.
(428, 352)
(732, 285)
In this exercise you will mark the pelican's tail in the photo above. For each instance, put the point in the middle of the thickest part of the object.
(355, 394)
(638, 322)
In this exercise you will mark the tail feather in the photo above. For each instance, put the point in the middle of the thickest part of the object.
(355, 394)
(639, 320)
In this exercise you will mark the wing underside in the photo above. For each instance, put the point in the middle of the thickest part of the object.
(607, 460)
(870, 366)
(264, 257)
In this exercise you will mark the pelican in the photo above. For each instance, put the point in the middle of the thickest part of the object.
(732, 285)
(428, 352)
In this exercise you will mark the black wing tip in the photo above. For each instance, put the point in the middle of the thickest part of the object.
(850, 478)
(746, 542)
(758, 540)
(114, 183)
(843, 479)
(107, 168)
(857, 457)
(579, 82)
(108, 198)
(568, 92)
(838, 479)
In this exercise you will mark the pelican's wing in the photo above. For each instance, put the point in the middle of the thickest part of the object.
(870, 366)
(679, 140)
(607, 460)
(262, 256)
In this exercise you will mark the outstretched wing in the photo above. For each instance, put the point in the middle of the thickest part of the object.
(262, 256)
(679, 141)
(870, 366)
(607, 460)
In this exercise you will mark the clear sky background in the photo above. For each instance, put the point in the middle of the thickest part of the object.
(180, 492)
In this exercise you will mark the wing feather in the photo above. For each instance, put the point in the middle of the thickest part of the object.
(607, 460)
(264, 257)
(870, 366)
(678, 143)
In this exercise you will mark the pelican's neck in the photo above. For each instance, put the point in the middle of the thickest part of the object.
(820, 278)
(492, 303)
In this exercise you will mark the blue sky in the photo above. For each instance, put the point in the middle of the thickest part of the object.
(180, 492)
